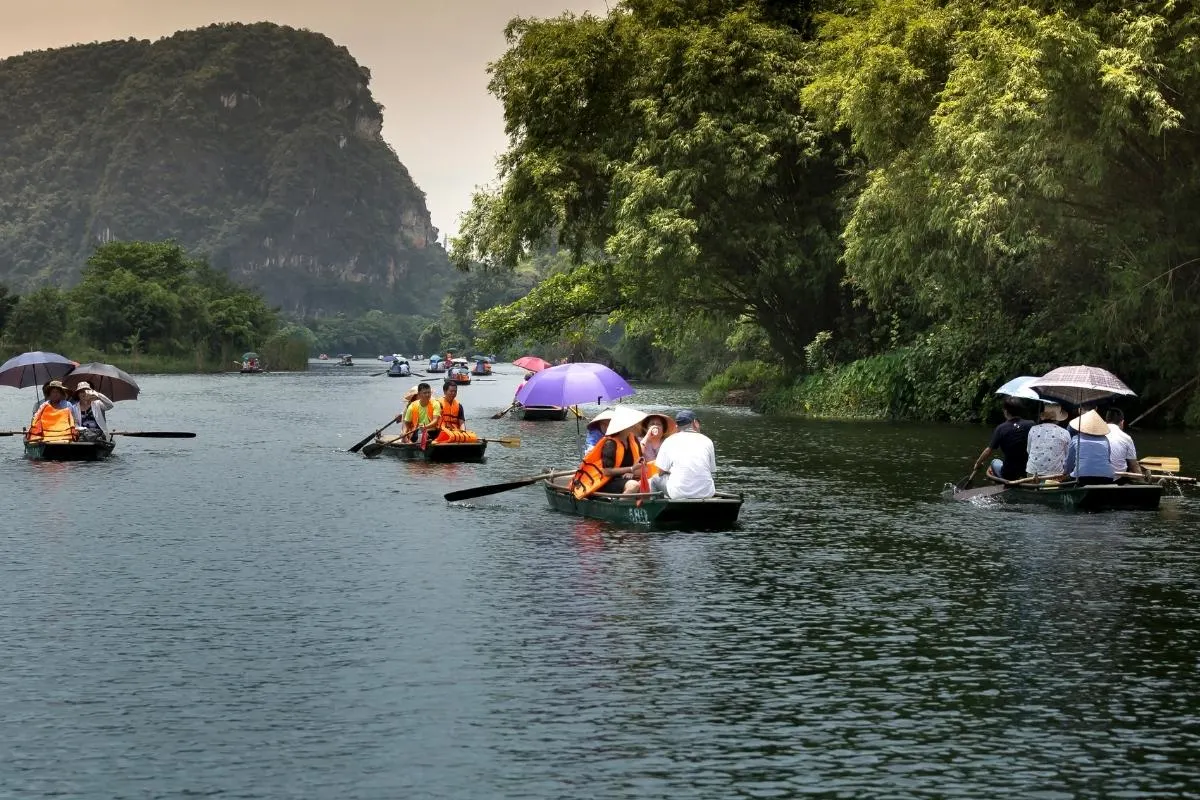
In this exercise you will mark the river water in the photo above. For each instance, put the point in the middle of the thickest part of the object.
(256, 613)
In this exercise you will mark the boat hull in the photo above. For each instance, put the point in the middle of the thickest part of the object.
(656, 513)
(542, 413)
(1102, 497)
(68, 451)
(438, 453)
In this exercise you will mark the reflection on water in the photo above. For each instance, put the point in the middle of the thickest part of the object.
(258, 613)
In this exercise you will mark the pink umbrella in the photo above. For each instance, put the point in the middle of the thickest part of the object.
(532, 363)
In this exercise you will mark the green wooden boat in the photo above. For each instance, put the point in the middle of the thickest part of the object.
(68, 451)
(542, 413)
(653, 511)
(1071, 496)
(441, 453)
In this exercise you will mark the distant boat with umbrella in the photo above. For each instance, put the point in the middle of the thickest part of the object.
(536, 413)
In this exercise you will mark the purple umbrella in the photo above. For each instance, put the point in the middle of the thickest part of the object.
(571, 384)
(34, 369)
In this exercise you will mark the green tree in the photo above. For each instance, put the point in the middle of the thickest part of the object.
(668, 151)
(38, 321)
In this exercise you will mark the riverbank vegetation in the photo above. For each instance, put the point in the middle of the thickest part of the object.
(150, 307)
(907, 203)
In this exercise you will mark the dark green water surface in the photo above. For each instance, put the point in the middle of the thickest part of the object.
(258, 614)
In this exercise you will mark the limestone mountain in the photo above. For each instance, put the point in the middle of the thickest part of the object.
(257, 146)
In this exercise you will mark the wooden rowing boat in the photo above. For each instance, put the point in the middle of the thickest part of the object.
(438, 452)
(68, 451)
(653, 511)
(1070, 495)
(541, 413)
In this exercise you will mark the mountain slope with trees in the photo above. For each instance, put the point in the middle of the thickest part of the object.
(256, 147)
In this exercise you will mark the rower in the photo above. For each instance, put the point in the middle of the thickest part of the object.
(56, 419)
(422, 417)
(453, 416)
(613, 459)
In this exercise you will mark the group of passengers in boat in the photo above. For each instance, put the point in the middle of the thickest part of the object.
(632, 452)
(1089, 448)
(68, 415)
(429, 419)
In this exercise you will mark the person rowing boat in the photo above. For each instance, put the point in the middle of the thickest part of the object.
(422, 417)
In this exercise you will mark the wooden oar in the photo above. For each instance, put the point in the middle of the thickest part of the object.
(156, 434)
(575, 410)
(12, 433)
(505, 441)
(505, 411)
(371, 436)
(1160, 463)
(965, 482)
(497, 488)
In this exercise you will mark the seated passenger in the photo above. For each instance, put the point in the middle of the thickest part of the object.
(1048, 442)
(686, 462)
(90, 406)
(422, 417)
(1088, 453)
(1011, 438)
(613, 460)
(1123, 453)
(56, 419)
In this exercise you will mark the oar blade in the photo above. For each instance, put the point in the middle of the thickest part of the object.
(497, 488)
(157, 434)
(508, 441)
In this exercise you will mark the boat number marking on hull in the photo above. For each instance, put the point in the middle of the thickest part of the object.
(639, 516)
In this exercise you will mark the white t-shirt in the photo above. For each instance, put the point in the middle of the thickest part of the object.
(690, 458)
(1120, 448)
(1047, 448)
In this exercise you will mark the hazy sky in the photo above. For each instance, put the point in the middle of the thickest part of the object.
(427, 60)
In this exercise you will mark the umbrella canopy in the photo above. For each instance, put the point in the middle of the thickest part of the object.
(532, 363)
(570, 384)
(115, 384)
(1080, 384)
(34, 369)
(248, 356)
(1019, 387)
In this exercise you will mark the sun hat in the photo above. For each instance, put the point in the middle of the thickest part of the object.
(603, 416)
(55, 384)
(685, 417)
(1091, 423)
(623, 419)
(1053, 412)
(668, 425)
(410, 395)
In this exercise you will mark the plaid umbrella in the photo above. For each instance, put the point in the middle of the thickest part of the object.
(1080, 384)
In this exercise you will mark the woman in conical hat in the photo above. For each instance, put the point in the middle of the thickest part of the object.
(1088, 456)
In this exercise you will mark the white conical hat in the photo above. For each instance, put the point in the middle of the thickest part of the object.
(603, 416)
(624, 418)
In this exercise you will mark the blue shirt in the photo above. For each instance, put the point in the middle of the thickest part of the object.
(1087, 457)
(594, 435)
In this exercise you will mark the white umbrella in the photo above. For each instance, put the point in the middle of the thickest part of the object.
(1019, 387)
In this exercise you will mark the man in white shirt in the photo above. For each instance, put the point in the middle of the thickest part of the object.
(686, 461)
(1121, 451)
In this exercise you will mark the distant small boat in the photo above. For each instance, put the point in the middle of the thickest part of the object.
(345, 360)
(399, 369)
(436, 364)
(541, 413)
(323, 357)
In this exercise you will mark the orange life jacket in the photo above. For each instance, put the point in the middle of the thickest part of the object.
(590, 477)
(451, 414)
(447, 436)
(52, 424)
